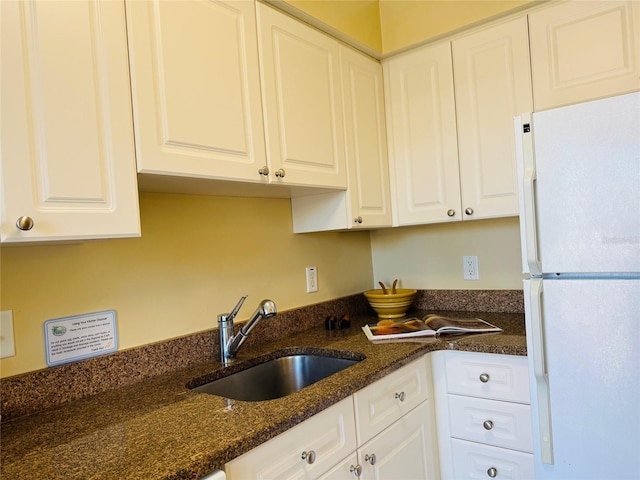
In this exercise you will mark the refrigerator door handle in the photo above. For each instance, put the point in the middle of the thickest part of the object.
(540, 372)
(529, 199)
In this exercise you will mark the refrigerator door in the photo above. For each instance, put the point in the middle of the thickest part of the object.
(580, 167)
(591, 359)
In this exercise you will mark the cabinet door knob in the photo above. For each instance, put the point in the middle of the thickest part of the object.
(356, 470)
(492, 472)
(309, 456)
(484, 377)
(400, 396)
(264, 171)
(487, 424)
(451, 212)
(24, 223)
(357, 220)
(370, 458)
(280, 173)
(468, 211)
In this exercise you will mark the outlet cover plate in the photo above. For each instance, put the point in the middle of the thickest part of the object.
(7, 345)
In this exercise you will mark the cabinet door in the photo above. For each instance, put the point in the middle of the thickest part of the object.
(196, 88)
(492, 85)
(401, 451)
(300, 71)
(305, 451)
(421, 127)
(583, 51)
(348, 469)
(366, 140)
(67, 145)
(380, 404)
(367, 201)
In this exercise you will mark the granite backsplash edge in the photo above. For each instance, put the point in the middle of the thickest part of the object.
(35, 391)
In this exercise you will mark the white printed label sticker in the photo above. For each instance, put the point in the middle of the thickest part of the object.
(70, 339)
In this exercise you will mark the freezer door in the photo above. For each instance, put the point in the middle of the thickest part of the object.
(591, 360)
(585, 185)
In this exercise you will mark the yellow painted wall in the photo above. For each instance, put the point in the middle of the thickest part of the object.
(409, 22)
(430, 256)
(196, 257)
(359, 19)
(389, 25)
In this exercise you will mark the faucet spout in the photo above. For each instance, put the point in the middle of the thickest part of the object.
(229, 343)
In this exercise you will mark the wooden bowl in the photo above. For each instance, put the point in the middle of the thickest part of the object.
(390, 305)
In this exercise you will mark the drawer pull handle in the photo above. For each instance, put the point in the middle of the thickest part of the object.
(484, 377)
(356, 470)
(400, 396)
(492, 472)
(370, 458)
(487, 424)
(309, 456)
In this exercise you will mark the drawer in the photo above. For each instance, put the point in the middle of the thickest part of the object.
(305, 451)
(492, 422)
(476, 461)
(498, 377)
(383, 402)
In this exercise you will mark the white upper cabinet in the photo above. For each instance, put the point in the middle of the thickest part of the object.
(367, 201)
(68, 164)
(492, 78)
(300, 71)
(421, 131)
(196, 89)
(582, 51)
(366, 139)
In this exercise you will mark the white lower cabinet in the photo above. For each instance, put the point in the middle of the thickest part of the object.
(483, 415)
(384, 431)
(306, 451)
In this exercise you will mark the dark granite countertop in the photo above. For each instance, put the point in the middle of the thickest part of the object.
(158, 429)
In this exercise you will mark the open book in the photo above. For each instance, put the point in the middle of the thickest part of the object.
(429, 326)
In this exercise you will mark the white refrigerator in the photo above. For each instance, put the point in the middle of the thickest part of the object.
(579, 168)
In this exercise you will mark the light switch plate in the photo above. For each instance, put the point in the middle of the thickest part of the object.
(7, 346)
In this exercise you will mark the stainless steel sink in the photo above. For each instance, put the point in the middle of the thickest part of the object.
(275, 378)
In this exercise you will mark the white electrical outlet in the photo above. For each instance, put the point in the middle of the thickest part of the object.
(7, 346)
(312, 279)
(470, 267)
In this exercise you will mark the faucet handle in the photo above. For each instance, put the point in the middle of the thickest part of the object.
(237, 308)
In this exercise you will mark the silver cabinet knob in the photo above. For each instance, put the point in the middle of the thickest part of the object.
(400, 396)
(356, 470)
(370, 458)
(264, 171)
(492, 472)
(24, 223)
(309, 456)
(280, 173)
(487, 424)
(357, 220)
(484, 377)
(468, 211)
(451, 212)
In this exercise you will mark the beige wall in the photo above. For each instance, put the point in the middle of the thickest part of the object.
(196, 257)
(430, 256)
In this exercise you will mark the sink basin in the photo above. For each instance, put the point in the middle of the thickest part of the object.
(275, 378)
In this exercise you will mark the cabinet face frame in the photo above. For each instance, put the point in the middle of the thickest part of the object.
(68, 157)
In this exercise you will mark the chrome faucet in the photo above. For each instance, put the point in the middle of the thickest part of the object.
(230, 343)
